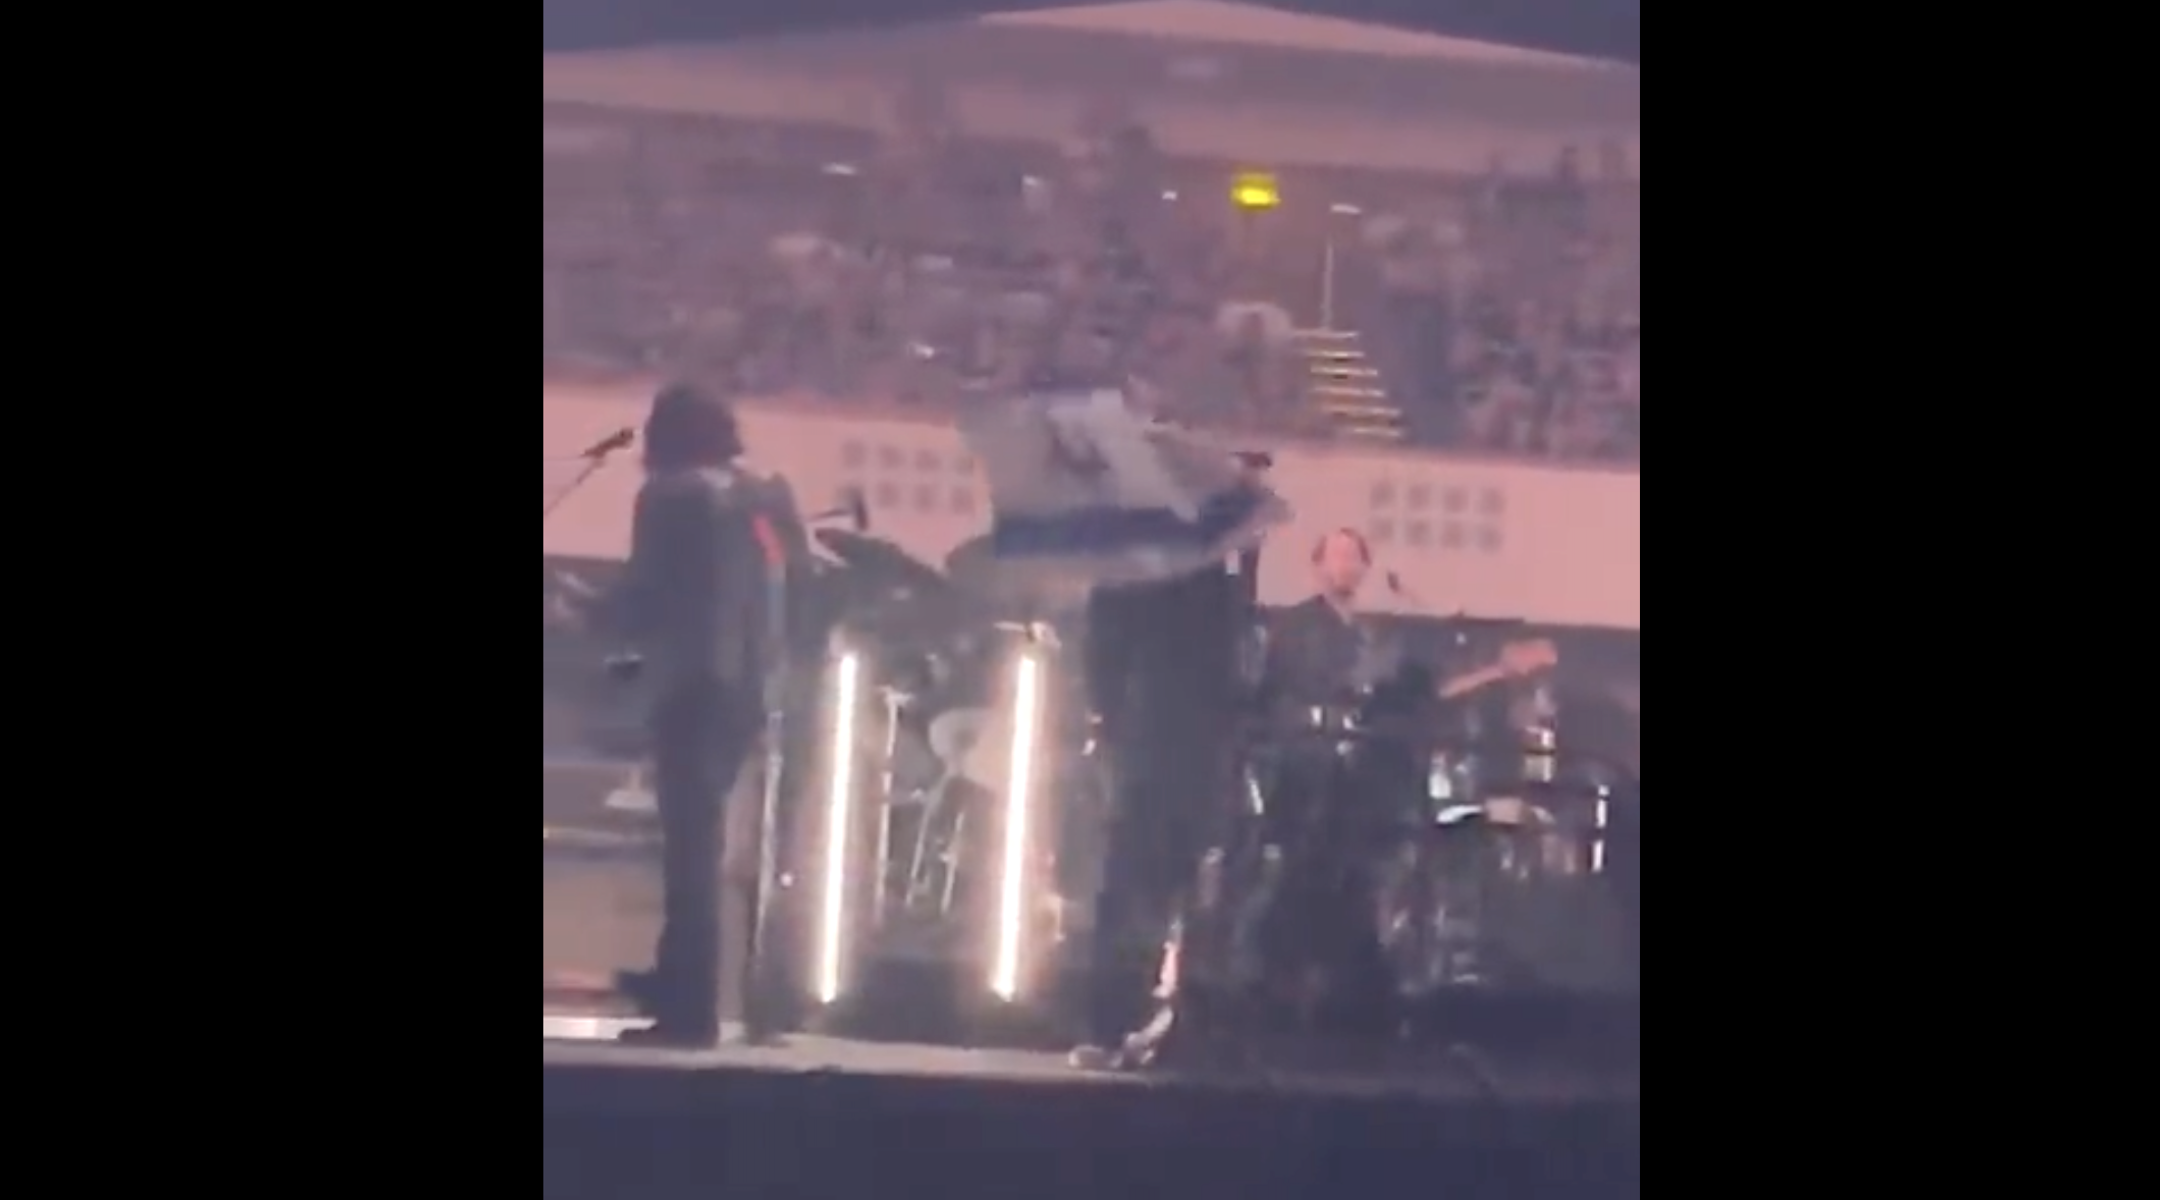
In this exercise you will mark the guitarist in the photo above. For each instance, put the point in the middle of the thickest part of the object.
(1322, 650)
(1322, 656)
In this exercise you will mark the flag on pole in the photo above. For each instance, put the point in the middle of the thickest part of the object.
(1087, 493)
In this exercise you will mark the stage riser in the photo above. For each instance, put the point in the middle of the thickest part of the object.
(597, 914)
(601, 921)
(600, 913)
(576, 794)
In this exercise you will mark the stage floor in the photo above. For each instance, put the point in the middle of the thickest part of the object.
(581, 1043)
(827, 1119)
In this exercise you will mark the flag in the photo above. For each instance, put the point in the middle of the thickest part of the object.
(1086, 493)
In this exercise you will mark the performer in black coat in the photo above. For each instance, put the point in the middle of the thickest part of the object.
(694, 602)
(1163, 676)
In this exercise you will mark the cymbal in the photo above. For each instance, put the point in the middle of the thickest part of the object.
(969, 558)
(882, 561)
(879, 588)
(974, 571)
(909, 623)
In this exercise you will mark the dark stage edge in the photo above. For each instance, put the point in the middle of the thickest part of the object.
(824, 1119)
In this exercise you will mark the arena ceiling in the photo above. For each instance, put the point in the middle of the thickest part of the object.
(1608, 29)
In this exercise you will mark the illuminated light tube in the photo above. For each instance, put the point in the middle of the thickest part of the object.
(839, 820)
(1013, 863)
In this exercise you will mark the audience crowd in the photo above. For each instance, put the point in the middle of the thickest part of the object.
(920, 266)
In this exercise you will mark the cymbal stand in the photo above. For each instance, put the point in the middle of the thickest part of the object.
(940, 840)
(933, 860)
(896, 702)
(1450, 941)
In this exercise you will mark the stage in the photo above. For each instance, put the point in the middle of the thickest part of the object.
(826, 1119)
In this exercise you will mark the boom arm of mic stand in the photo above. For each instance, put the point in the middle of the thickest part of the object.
(592, 466)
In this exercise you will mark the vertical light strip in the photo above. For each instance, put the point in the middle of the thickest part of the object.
(839, 819)
(1013, 868)
(1597, 845)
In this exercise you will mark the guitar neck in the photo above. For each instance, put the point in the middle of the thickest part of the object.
(1463, 685)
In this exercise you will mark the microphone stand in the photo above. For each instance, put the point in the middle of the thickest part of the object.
(779, 528)
(759, 1021)
(592, 460)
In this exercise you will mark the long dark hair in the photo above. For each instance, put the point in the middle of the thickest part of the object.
(690, 427)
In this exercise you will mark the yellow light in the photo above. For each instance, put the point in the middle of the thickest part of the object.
(839, 817)
(1255, 190)
(1013, 879)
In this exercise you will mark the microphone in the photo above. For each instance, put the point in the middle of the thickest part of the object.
(852, 506)
(1401, 590)
(618, 440)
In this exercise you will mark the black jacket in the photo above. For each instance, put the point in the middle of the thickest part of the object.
(1170, 648)
(695, 597)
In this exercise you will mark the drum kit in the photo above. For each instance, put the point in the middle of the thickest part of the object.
(935, 734)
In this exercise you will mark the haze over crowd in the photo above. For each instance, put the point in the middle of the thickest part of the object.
(921, 266)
